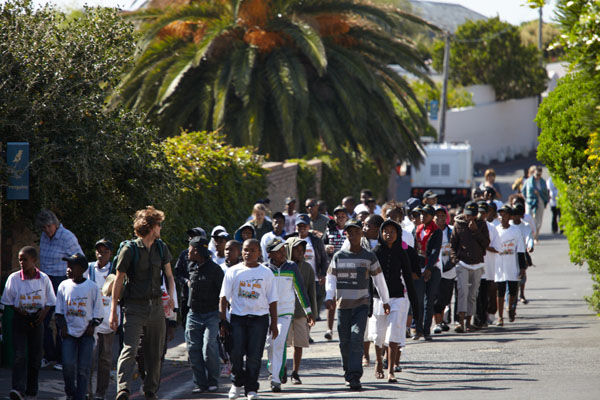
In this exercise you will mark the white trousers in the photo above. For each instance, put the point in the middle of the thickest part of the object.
(276, 348)
(384, 329)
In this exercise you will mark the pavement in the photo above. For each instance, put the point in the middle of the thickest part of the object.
(551, 351)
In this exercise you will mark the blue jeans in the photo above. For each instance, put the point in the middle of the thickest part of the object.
(77, 363)
(351, 330)
(426, 294)
(248, 335)
(201, 332)
(27, 345)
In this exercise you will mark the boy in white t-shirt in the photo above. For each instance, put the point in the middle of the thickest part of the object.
(98, 271)
(78, 312)
(249, 288)
(29, 292)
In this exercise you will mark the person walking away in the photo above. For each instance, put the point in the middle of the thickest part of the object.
(510, 263)
(553, 193)
(448, 276)
(298, 335)
(290, 286)
(429, 244)
(489, 261)
(79, 312)
(142, 261)
(277, 232)
(29, 292)
(334, 239)
(348, 283)
(490, 182)
(468, 243)
(202, 327)
(259, 222)
(536, 195)
(249, 289)
(56, 242)
(388, 329)
(97, 272)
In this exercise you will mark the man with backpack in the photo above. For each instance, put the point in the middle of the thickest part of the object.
(139, 263)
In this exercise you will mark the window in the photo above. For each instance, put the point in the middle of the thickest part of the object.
(435, 169)
(445, 169)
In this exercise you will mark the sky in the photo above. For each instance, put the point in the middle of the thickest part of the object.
(511, 11)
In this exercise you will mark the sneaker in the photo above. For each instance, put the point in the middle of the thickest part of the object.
(310, 340)
(45, 363)
(226, 370)
(445, 327)
(235, 391)
(57, 367)
(355, 384)
(15, 395)
(511, 315)
(122, 395)
(397, 368)
(253, 396)
(275, 387)
(295, 378)
(459, 329)
(438, 329)
(213, 389)
(417, 336)
(329, 334)
(198, 390)
(428, 337)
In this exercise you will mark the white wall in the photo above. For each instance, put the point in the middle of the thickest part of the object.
(482, 94)
(496, 131)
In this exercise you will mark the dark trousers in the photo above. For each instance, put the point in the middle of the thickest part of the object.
(555, 218)
(249, 333)
(426, 294)
(352, 323)
(482, 302)
(320, 294)
(27, 345)
(52, 345)
(444, 295)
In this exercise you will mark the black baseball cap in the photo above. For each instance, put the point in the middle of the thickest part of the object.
(471, 208)
(506, 208)
(428, 209)
(197, 231)
(412, 203)
(200, 244)
(78, 259)
(104, 242)
(340, 208)
(492, 205)
(518, 209)
(483, 206)
(441, 208)
(302, 219)
(275, 244)
(352, 223)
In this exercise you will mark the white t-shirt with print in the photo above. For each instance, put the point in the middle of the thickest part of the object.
(31, 295)
(100, 275)
(249, 291)
(309, 256)
(445, 255)
(489, 260)
(507, 261)
(79, 303)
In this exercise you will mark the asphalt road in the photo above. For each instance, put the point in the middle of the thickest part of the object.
(552, 350)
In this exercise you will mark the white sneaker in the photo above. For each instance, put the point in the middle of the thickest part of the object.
(253, 396)
(58, 367)
(235, 391)
(213, 388)
(45, 363)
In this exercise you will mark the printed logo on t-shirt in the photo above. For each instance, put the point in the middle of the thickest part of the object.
(246, 288)
(76, 307)
(31, 301)
(508, 247)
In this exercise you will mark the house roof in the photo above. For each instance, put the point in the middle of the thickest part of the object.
(445, 15)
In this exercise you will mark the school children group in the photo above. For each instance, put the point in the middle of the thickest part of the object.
(390, 272)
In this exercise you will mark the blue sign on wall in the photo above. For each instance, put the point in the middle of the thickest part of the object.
(434, 108)
(17, 158)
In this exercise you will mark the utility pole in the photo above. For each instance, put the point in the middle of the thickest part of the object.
(541, 50)
(443, 100)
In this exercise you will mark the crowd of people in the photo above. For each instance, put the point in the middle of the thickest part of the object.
(388, 273)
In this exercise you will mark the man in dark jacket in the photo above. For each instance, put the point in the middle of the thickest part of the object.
(396, 268)
(202, 325)
(429, 243)
(470, 238)
(182, 275)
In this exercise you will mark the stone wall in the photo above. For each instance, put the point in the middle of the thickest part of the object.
(281, 183)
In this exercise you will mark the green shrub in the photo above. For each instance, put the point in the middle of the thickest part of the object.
(217, 184)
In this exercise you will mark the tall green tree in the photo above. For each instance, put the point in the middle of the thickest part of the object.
(286, 76)
(491, 52)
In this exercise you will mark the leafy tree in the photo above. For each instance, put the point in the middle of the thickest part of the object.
(569, 142)
(550, 33)
(284, 76)
(457, 96)
(491, 52)
(91, 167)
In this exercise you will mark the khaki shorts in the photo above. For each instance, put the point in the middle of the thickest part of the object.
(298, 333)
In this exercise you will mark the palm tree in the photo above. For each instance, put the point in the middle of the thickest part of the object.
(285, 76)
